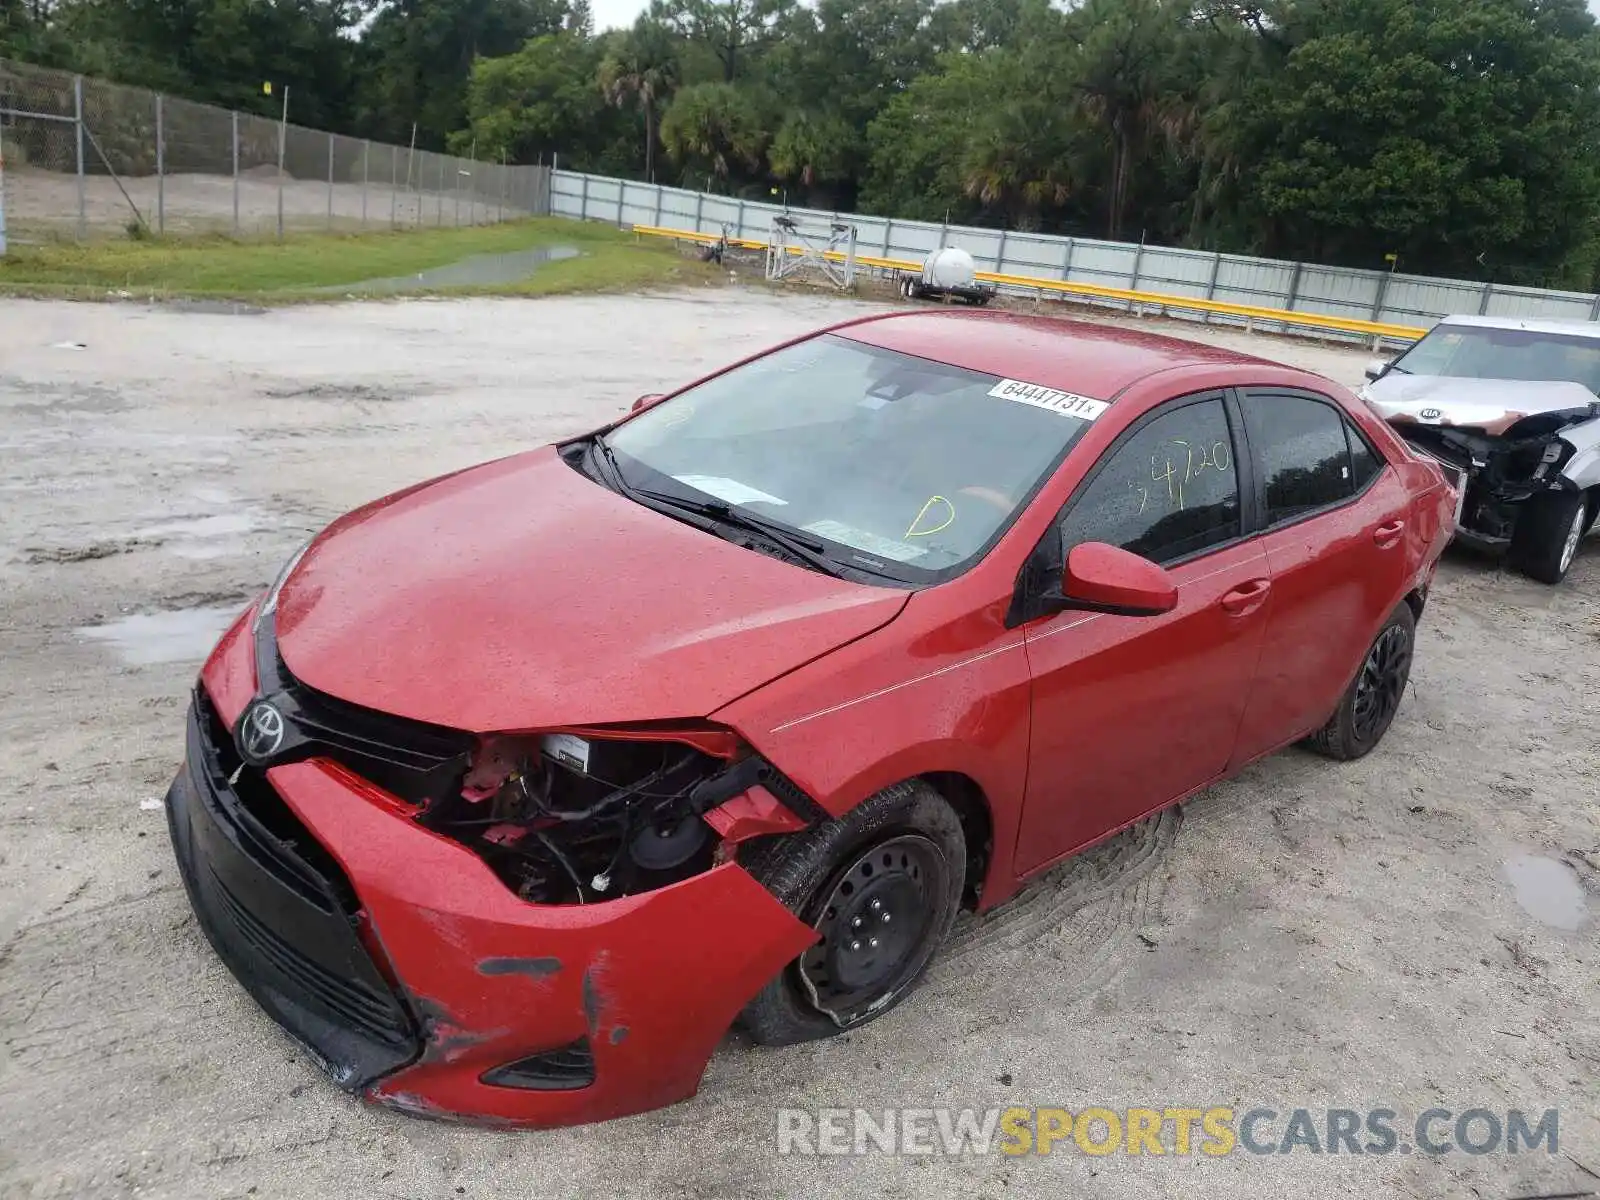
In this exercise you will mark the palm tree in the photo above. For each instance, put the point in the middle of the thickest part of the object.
(809, 149)
(642, 71)
(716, 125)
(1017, 160)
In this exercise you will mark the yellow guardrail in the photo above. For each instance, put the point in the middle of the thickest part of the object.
(1160, 300)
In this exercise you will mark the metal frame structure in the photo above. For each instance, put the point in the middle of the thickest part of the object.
(793, 248)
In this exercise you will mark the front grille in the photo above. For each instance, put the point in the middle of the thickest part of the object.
(414, 760)
(363, 1009)
(288, 852)
(565, 1068)
(280, 911)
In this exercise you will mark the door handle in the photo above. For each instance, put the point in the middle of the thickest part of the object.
(1246, 598)
(1387, 535)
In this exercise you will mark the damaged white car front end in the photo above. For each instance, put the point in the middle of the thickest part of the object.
(1523, 453)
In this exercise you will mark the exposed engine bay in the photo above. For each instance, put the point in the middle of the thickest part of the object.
(1510, 409)
(1497, 472)
(562, 817)
(569, 819)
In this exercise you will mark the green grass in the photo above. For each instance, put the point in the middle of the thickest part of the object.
(304, 266)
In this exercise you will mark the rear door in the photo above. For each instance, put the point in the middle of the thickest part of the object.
(1334, 516)
(1132, 713)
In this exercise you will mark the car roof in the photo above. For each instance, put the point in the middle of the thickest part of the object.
(1587, 329)
(1086, 359)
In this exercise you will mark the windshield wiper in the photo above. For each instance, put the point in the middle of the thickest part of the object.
(807, 550)
(803, 548)
(608, 457)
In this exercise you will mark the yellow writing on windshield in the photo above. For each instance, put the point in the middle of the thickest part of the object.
(934, 503)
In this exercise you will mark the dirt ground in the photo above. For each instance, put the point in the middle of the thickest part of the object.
(1307, 936)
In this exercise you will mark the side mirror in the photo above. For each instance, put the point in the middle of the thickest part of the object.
(1108, 579)
(645, 401)
(1375, 370)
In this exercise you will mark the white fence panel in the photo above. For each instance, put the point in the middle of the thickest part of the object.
(1259, 281)
(1338, 293)
(914, 240)
(1534, 302)
(1415, 299)
(1175, 272)
(1109, 264)
(1231, 278)
(1035, 254)
(680, 210)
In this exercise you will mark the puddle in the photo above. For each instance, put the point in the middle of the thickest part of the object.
(142, 639)
(206, 537)
(215, 526)
(217, 308)
(1548, 890)
(480, 270)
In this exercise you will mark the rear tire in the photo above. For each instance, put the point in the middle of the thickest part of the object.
(890, 873)
(1368, 706)
(1548, 531)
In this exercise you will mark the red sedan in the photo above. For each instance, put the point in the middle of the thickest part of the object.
(518, 788)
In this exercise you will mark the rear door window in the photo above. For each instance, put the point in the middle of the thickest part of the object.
(1308, 456)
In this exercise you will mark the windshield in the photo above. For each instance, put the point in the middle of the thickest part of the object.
(897, 465)
(1529, 355)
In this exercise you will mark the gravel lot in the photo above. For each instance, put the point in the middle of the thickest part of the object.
(1309, 935)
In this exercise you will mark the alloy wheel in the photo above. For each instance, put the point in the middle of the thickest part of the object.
(1569, 548)
(1383, 677)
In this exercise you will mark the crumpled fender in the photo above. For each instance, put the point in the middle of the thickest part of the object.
(652, 981)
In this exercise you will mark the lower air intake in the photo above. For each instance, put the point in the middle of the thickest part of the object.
(565, 1068)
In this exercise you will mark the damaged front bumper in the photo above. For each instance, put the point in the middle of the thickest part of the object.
(418, 979)
(1494, 476)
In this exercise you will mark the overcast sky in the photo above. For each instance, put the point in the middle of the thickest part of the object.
(622, 12)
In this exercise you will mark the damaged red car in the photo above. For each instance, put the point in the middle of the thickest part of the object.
(519, 788)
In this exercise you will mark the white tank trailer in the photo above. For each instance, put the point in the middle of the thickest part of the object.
(948, 274)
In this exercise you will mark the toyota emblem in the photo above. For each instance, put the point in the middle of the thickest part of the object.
(261, 732)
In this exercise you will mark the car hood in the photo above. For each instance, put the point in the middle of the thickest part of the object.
(521, 595)
(1493, 405)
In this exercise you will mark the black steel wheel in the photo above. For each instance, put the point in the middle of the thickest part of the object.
(1369, 704)
(872, 923)
(881, 887)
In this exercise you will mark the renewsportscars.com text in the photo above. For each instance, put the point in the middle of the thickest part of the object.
(1175, 1131)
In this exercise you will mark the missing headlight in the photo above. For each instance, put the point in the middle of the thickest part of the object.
(565, 819)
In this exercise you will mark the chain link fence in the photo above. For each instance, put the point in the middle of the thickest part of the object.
(83, 158)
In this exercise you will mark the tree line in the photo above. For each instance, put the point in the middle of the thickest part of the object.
(1460, 137)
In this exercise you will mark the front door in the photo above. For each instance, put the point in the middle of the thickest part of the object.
(1133, 713)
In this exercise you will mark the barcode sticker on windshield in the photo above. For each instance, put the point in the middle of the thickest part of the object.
(1065, 403)
(729, 491)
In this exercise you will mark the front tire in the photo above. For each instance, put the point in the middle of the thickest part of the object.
(1548, 531)
(882, 887)
(1367, 708)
